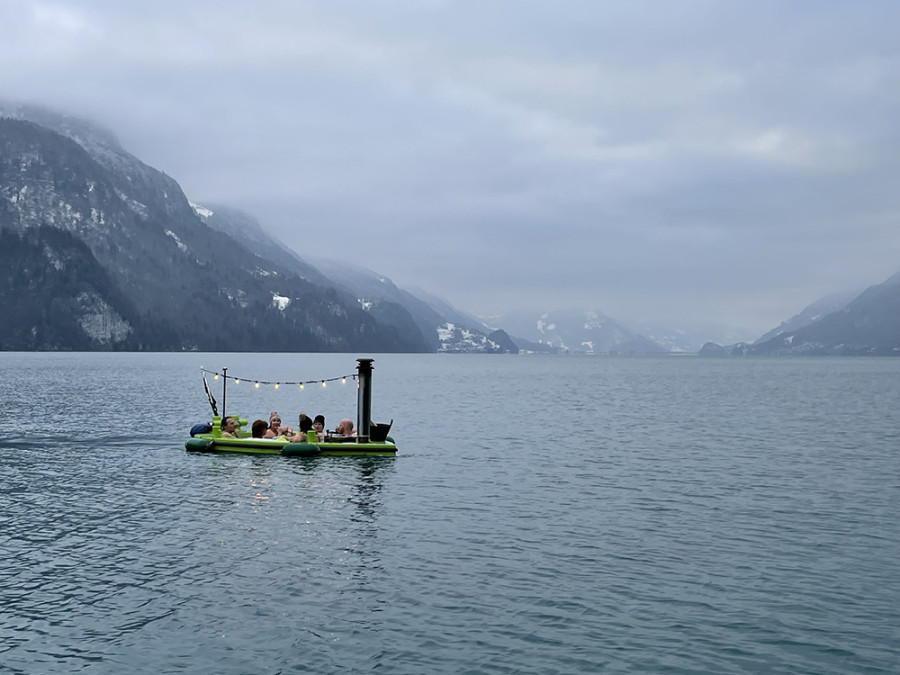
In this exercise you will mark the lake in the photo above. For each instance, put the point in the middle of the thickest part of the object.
(565, 514)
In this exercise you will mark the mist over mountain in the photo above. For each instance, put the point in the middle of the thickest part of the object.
(185, 285)
(448, 310)
(867, 325)
(811, 313)
(355, 285)
(445, 328)
(106, 252)
(376, 291)
(588, 332)
(688, 340)
(244, 228)
(136, 221)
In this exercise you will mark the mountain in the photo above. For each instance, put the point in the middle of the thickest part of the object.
(587, 332)
(387, 308)
(137, 253)
(869, 325)
(246, 229)
(449, 312)
(444, 328)
(810, 314)
(684, 340)
(56, 294)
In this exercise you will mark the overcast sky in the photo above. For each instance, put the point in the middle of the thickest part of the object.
(701, 161)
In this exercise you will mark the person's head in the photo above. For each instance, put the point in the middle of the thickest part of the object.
(304, 424)
(259, 428)
(228, 424)
(319, 423)
(274, 420)
(345, 427)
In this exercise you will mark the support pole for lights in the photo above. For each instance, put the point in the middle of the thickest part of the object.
(224, 389)
(363, 400)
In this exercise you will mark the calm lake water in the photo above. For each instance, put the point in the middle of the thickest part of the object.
(543, 515)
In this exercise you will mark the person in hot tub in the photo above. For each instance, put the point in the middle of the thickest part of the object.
(229, 429)
(304, 424)
(275, 429)
(345, 428)
(319, 427)
(258, 430)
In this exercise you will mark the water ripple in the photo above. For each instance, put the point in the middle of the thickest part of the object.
(620, 515)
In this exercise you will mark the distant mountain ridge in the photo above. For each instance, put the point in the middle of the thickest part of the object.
(868, 325)
(587, 332)
(810, 314)
(373, 292)
(446, 329)
(244, 228)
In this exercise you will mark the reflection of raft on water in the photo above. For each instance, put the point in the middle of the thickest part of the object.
(371, 441)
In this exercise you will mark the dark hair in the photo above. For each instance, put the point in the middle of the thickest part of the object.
(304, 423)
(320, 419)
(259, 428)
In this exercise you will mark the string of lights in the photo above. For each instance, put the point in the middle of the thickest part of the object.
(256, 383)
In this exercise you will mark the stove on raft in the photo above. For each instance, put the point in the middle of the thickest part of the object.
(371, 440)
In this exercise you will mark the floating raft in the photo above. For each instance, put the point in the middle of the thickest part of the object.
(372, 440)
(352, 447)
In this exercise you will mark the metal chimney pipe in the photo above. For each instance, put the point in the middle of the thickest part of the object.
(364, 399)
